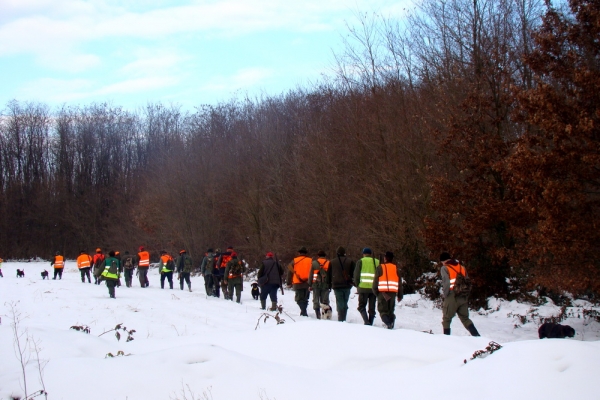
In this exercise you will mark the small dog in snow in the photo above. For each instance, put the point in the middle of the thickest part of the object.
(44, 274)
(255, 291)
(325, 311)
(555, 331)
(20, 273)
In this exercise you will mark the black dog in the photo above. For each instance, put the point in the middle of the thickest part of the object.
(20, 273)
(555, 331)
(44, 274)
(255, 291)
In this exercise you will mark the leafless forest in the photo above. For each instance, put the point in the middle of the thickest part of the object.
(471, 126)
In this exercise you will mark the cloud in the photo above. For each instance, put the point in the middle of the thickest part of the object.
(241, 79)
(137, 85)
(56, 90)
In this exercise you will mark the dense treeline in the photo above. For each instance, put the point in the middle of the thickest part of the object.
(469, 126)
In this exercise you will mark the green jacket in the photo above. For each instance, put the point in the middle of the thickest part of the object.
(112, 269)
(184, 263)
(364, 274)
(237, 268)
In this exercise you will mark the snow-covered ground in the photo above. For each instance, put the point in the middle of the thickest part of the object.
(186, 342)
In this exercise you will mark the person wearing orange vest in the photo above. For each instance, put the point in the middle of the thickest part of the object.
(84, 263)
(166, 267)
(219, 272)
(234, 277)
(454, 304)
(387, 285)
(364, 275)
(59, 265)
(298, 272)
(143, 264)
(319, 281)
(98, 261)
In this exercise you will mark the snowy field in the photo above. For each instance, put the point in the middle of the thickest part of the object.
(188, 346)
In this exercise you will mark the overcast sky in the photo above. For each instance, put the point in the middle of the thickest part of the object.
(132, 52)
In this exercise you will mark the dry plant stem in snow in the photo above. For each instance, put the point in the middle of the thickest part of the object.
(188, 394)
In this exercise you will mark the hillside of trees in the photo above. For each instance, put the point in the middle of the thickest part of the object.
(469, 126)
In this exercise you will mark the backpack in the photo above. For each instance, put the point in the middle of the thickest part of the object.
(128, 264)
(462, 284)
(236, 269)
(322, 275)
(113, 269)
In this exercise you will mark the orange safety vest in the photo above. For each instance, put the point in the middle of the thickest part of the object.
(144, 259)
(59, 262)
(301, 270)
(166, 258)
(84, 261)
(224, 260)
(453, 270)
(389, 281)
(324, 265)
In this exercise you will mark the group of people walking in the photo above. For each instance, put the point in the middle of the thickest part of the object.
(378, 282)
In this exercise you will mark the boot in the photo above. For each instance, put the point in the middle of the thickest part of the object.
(171, 285)
(446, 331)
(342, 315)
(371, 319)
(190, 287)
(318, 313)
(238, 298)
(364, 316)
(387, 321)
(263, 305)
(273, 306)
(472, 330)
(303, 312)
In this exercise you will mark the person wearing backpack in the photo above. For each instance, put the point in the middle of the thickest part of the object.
(111, 273)
(166, 268)
(219, 272)
(84, 263)
(297, 276)
(364, 274)
(319, 282)
(184, 269)
(206, 269)
(98, 261)
(455, 289)
(128, 263)
(234, 277)
(269, 278)
(387, 286)
(341, 272)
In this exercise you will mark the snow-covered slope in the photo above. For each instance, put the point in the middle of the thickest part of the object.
(186, 342)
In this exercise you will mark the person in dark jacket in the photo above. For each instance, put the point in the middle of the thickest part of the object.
(454, 304)
(387, 285)
(234, 274)
(128, 265)
(206, 269)
(184, 269)
(341, 273)
(274, 272)
(111, 273)
(364, 275)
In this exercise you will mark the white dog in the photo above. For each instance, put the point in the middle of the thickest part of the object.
(325, 311)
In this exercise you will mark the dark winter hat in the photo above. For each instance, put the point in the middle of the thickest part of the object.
(367, 250)
(163, 252)
(58, 253)
(126, 253)
(303, 250)
(321, 253)
(269, 255)
(209, 250)
(81, 251)
(111, 254)
(445, 256)
(341, 251)
(389, 255)
(230, 248)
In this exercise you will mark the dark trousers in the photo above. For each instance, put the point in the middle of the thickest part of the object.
(128, 273)
(58, 272)
(270, 290)
(238, 291)
(341, 299)
(185, 276)
(363, 299)
(208, 284)
(111, 284)
(320, 295)
(143, 276)
(455, 306)
(169, 277)
(302, 296)
(85, 272)
(217, 285)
